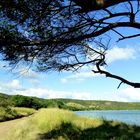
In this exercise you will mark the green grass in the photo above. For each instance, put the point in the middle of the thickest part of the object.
(58, 124)
(7, 113)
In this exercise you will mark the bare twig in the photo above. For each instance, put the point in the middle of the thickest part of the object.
(127, 37)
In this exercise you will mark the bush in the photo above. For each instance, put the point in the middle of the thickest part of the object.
(6, 113)
(24, 101)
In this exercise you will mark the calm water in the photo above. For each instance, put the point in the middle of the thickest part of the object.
(130, 117)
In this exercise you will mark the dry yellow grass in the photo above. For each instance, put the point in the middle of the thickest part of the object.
(45, 120)
(24, 111)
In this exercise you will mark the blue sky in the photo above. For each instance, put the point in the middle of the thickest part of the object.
(122, 59)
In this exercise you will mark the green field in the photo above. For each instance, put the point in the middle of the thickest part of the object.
(58, 124)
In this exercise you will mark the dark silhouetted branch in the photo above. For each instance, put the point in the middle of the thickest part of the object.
(107, 74)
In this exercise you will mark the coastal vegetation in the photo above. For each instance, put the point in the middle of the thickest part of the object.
(41, 119)
(59, 124)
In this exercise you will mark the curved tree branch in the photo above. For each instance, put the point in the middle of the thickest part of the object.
(108, 74)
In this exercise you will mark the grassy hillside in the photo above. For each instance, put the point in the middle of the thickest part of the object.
(99, 105)
(4, 96)
(108, 105)
(58, 124)
(70, 104)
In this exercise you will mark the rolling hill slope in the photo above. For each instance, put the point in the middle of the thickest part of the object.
(70, 104)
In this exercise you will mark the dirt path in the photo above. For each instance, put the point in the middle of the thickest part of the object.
(6, 127)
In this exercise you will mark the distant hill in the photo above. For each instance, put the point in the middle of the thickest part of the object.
(70, 104)
(103, 105)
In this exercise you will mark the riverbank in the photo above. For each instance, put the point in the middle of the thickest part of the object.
(61, 124)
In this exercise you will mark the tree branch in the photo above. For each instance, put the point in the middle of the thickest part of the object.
(107, 74)
(72, 40)
(127, 37)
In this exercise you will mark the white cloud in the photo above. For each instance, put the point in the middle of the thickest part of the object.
(79, 76)
(117, 53)
(15, 84)
(49, 94)
(12, 85)
(15, 87)
(82, 75)
(130, 94)
(124, 95)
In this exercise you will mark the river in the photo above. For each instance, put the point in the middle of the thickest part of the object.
(126, 116)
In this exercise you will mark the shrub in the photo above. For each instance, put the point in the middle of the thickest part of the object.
(6, 113)
(24, 101)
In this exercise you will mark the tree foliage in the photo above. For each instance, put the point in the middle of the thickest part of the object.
(56, 34)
